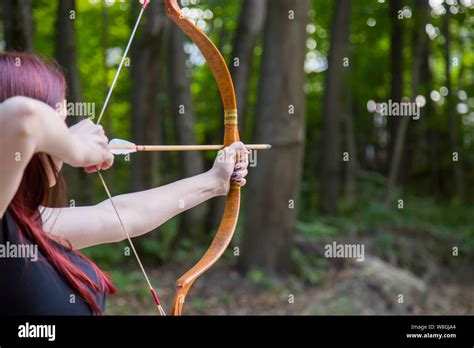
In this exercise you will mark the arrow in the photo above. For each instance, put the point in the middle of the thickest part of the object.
(123, 147)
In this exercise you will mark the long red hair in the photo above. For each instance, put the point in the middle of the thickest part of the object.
(28, 75)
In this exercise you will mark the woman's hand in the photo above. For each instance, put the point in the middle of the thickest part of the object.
(92, 147)
(231, 165)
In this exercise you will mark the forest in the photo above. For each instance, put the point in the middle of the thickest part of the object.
(368, 107)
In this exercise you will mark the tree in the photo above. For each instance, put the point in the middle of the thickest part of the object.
(252, 19)
(419, 42)
(18, 25)
(147, 72)
(66, 49)
(66, 56)
(331, 162)
(432, 134)
(184, 120)
(396, 63)
(454, 119)
(272, 194)
(352, 168)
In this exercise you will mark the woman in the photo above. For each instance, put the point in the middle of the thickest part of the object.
(41, 271)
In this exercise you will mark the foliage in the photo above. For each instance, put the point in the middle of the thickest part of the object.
(309, 268)
(259, 277)
(369, 214)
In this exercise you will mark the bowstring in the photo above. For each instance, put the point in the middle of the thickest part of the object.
(104, 184)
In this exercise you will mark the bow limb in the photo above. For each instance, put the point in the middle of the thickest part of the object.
(231, 134)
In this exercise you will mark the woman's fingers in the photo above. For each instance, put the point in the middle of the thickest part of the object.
(240, 182)
(90, 169)
(238, 151)
(242, 165)
(105, 165)
(238, 145)
(239, 174)
(92, 146)
(108, 162)
(241, 158)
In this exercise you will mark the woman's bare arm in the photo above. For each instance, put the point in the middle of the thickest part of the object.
(27, 127)
(141, 212)
(144, 211)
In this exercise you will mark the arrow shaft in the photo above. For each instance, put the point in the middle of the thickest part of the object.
(149, 148)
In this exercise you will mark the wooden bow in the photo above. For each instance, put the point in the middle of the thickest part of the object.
(231, 134)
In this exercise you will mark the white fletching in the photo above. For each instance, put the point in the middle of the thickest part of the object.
(126, 147)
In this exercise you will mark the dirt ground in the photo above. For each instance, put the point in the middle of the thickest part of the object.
(353, 289)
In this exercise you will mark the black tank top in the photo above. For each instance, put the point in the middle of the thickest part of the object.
(30, 285)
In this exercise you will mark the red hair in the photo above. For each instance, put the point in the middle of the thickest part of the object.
(27, 75)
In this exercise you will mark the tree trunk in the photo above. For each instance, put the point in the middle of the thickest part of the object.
(146, 69)
(66, 56)
(396, 63)
(18, 25)
(432, 134)
(352, 168)
(454, 119)
(184, 120)
(272, 194)
(252, 19)
(334, 94)
(66, 49)
(419, 41)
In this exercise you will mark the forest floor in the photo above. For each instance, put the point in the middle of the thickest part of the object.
(225, 292)
(374, 286)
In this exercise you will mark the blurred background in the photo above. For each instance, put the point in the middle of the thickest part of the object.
(308, 76)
